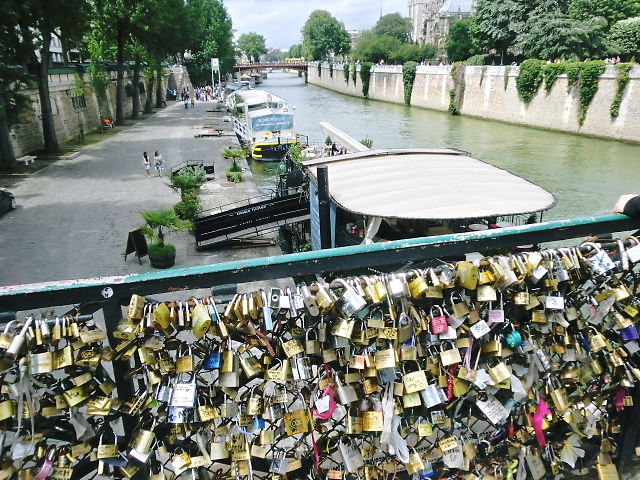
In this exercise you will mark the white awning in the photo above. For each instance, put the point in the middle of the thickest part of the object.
(434, 184)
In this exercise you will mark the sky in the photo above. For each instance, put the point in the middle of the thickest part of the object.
(280, 21)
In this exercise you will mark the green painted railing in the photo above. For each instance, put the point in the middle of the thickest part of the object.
(377, 255)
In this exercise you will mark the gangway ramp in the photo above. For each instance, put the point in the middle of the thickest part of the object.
(249, 218)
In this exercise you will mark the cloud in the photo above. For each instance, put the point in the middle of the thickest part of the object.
(281, 21)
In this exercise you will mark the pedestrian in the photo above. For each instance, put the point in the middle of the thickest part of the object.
(186, 101)
(193, 102)
(158, 163)
(146, 163)
(629, 205)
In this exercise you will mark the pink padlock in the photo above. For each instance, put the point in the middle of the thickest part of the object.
(45, 466)
(438, 322)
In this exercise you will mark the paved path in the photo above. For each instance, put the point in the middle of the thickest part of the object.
(73, 218)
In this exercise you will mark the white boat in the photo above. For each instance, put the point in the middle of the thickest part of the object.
(263, 123)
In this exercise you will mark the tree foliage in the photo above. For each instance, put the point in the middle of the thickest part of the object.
(324, 36)
(393, 25)
(295, 50)
(372, 48)
(611, 10)
(498, 23)
(460, 44)
(625, 37)
(210, 36)
(553, 37)
(252, 45)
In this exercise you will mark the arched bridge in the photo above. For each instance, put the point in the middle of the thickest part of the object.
(255, 67)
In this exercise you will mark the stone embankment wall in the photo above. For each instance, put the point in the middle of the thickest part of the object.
(73, 111)
(485, 96)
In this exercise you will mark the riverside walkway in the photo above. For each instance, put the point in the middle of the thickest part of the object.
(73, 217)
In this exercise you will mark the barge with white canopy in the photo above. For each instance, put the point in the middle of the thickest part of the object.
(381, 195)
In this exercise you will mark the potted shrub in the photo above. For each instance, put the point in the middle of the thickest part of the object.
(234, 173)
(158, 224)
(188, 180)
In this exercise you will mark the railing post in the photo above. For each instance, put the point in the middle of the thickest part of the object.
(324, 206)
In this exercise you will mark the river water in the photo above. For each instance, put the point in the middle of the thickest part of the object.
(585, 174)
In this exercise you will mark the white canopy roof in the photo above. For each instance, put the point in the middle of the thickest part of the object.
(255, 96)
(435, 184)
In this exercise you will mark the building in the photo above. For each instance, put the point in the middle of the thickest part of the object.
(431, 19)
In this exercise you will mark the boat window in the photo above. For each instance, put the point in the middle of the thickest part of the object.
(272, 122)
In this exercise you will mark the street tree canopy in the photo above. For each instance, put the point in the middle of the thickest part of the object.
(393, 25)
(551, 37)
(611, 10)
(252, 45)
(323, 36)
(625, 36)
(460, 44)
(295, 51)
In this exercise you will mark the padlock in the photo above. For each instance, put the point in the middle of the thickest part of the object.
(486, 293)
(184, 359)
(343, 328)
(499, 372)
(467, 275)
(324, 298)
(451, 356)
(255, 403)
(414, 381)
(278, 463)
(312, 345)
(432, 396)
(438, 321)
(597, 341)
(143, 439)
(559, 397)
(434, 285)
(200, 319)
(415, 464)
(45, 465)
(417, 284)
(228, 408)
(459, 305)
(346, 392)
(301, 367)
(298, 421)
(205, 410)
(354, 422)
(184, 391)
(350, 301)
(351, 455)
(598, 260)
(629, 333)
(251, 367)
(108, 449)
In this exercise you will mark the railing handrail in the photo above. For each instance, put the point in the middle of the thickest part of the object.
(40, 295)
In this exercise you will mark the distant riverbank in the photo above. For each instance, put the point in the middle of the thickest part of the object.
(490, 93)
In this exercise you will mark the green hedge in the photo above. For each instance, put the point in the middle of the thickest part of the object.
(530, 78)
(345, 70)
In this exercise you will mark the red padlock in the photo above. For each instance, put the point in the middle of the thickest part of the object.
(438, 322)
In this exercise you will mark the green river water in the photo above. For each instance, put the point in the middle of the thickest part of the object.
(585, 174)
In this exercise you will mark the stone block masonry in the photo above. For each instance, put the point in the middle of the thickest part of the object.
(486, 97)
(73, 111)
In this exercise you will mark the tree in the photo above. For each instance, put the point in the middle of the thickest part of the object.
(497, 24)
(611, 10)
(210, 36)
(393, 25)
(625, 36)
(371, 48)
(38, 20)
(295, 51)
(12, 80)
(550, 37)
(411, 52)
(324, 36)
(460, 44)
(253, 45)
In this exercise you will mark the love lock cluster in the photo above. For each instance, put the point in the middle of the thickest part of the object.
(502, 367)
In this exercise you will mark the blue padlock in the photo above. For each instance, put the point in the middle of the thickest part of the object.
(212, 361)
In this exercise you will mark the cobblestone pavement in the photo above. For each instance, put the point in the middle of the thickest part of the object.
(73, 218)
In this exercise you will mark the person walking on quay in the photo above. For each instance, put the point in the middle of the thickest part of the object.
(193, 102)
(146, 163)
(158, 163)
(186, 101)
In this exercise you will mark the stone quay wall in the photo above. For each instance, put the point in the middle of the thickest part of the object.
(486, 97)
(73, 111)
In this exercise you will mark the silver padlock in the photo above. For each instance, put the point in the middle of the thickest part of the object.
(350, 302)
(179, 415)
(346, 392)
(184, 391)
(278, 463)
(432, 396)
(351, 456)
(300, 367)
(600, 262)
(396, 287)
(309, 300)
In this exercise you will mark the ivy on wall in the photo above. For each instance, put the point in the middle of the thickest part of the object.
(365, 75)
(585, 75)
(319, 69)
(408, 77)
(507, 70)
(623, 80)
(529, 79)
(330, 69)
(345, 70)
(354, 76)
(589, 84)
(456, 94)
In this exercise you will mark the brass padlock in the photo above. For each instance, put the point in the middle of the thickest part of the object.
(417, 284)
(451, 356)
(467, 275)
(499, 372)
